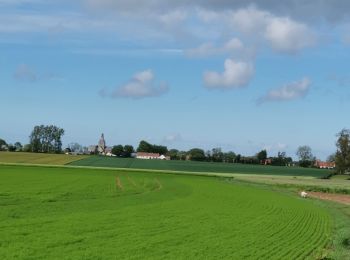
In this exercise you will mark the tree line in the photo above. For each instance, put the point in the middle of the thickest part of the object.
(48, 139)
(42, 139)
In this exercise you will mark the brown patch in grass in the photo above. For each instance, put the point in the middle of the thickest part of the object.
(340, 198)
(118, 183)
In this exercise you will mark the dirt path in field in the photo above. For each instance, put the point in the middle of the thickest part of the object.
(118, 183)
(340, 198)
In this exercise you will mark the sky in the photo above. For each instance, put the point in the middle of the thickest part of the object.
(240, 75)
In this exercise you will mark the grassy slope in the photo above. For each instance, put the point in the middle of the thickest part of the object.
(101, 161)
(38, 158)
(56, 213)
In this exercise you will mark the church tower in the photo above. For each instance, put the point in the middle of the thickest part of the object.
(102, 145)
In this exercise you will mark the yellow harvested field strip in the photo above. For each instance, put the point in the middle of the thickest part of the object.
(38, 158)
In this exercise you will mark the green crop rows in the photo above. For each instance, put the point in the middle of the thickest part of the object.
(102, 161)
(65, 213)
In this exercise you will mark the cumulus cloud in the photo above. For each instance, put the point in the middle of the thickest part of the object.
(286, 35)
(290, 91)
(208, 49)
(281, 33)
(236, 74)
(141, 85)
(249, 19)
(25, 73)
(306, 10)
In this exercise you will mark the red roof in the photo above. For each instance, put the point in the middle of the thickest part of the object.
(325, 164)
(147, 154)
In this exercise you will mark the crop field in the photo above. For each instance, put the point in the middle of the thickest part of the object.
(67, 213)
(101, 161)
(38, 158)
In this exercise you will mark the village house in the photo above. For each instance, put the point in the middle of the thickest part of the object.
(324, 165)
(150, 156)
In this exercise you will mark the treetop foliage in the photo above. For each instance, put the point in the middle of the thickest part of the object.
(46, 139)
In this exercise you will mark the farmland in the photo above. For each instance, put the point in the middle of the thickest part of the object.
(192, 166)
(38, 158)
(67, 213)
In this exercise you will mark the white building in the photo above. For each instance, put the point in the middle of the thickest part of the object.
(149, 156)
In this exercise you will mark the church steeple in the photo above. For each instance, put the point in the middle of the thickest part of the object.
(102, 144)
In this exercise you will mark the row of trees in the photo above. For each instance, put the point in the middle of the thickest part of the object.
(217, 155)
(16, 147)
(46, 139)
(123, 151)
(151, 148)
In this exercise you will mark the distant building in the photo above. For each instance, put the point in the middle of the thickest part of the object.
(324, 165)
(267, 161)
(102, 145)
(163, 157)
(101, 148)
(150, 156)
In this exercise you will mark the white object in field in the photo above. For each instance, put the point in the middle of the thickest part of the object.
(303, 194)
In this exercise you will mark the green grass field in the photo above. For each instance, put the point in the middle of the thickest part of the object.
(38, 158)
(101, 161)
(66, 213)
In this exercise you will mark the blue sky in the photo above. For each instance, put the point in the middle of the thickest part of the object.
(241, 75)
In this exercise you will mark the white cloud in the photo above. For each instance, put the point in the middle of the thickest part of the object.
(281, 33)
(286, 35)
(141, 85)
(290, 91)
(249, 20)
(208, 49)
(235, 75)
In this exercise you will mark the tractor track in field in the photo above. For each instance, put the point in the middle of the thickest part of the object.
(340, 198)
(118, 183)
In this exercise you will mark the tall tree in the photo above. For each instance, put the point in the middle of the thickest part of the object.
(196, 154)
(118, 150)
(144, 147)
(281, 159)
(217, 154)
(305, 155)
(151, 148)
(128, 150)
(173, 154)
(18, 146)
(262, 156)
(3, 144)
(342, 155)
(46, 139)
(229, 157)
(159, 149)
